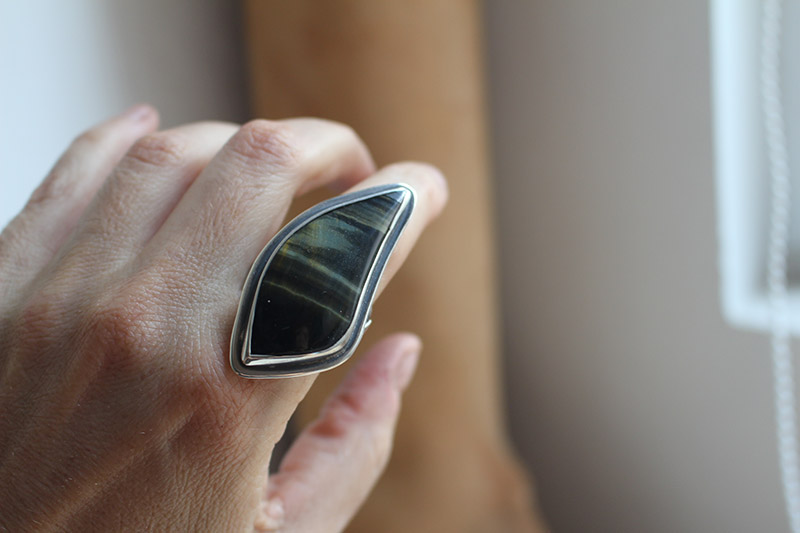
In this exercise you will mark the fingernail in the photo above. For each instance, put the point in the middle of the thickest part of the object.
(405, 366)
(138, 112)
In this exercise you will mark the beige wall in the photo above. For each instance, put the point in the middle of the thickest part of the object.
(636, 406)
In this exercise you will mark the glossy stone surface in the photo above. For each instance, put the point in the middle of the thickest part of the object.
(308, 295)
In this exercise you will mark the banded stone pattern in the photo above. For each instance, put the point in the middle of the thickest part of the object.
(310, 290)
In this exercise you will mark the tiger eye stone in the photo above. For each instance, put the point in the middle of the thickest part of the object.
(309, 292)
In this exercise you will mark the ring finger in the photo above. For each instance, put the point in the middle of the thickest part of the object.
(36, 234)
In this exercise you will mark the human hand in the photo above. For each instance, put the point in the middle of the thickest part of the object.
(119, 283)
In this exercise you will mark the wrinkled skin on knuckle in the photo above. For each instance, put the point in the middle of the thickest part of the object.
(367, 412)
(53, 187)
(125, 331)
(154, 319)
(215, 430)
(264, 162)
(371, 441)
(90, 137)
(353, 407)
(273, 143)
(159, 149)
(57, 184)
(218, 433)
(97, 234)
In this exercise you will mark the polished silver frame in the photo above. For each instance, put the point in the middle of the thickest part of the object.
(263, 366)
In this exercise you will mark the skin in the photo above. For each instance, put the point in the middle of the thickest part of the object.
(119, 282)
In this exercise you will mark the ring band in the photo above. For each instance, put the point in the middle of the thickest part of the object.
(308, 297)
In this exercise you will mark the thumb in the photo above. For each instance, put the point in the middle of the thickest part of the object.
(335, 462)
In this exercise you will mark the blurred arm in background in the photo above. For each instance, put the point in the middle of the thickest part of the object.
(408, 77)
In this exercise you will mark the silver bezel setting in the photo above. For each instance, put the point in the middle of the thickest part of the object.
(257, 366)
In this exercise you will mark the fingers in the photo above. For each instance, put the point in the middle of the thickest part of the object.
(33, 237)
(241, 198)
(145, 187)
(335, 462)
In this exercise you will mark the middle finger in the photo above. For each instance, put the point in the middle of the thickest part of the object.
(239, 201)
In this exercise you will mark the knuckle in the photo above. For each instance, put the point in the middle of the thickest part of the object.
(57, 185)
(269, 141)
(158, 149)
(340, 415)
(215, 411)
(126, 329)
(354, 408)
(352, 417)
(222, 417)
(50, 189)
(90, 137)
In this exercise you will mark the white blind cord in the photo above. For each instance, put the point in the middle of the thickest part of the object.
(777, 258)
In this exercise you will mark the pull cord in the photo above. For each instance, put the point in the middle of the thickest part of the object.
(777, 258)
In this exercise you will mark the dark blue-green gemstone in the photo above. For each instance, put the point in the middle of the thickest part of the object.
(309, 293)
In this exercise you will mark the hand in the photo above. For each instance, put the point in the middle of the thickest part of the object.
(119, 283)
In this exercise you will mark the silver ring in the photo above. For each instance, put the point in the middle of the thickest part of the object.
(308, 297)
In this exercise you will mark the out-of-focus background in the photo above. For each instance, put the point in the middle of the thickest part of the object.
(637, 406)
(632, 401)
